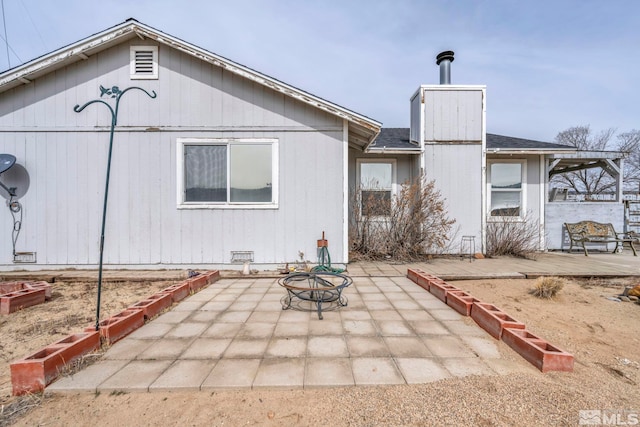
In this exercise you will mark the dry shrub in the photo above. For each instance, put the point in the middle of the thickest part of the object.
(509, 236)
(548, 287)
(413, 223)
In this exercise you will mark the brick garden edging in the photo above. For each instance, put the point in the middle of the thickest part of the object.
(497, 323)
(33, 373)
(15, 296)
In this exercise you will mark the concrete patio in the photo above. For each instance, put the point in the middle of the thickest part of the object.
(235, 334)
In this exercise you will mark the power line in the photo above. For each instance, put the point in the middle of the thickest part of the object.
(34, 25)
(6, 39)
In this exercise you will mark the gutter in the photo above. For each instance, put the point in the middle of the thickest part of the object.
(384, 150)
(530, 151)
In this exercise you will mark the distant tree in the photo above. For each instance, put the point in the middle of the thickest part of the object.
(597, 180)
(629, 142)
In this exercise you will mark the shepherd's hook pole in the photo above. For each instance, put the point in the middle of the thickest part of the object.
(116, 93)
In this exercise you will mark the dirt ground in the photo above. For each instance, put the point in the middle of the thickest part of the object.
(602, 335)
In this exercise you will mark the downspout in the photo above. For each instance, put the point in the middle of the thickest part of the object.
(483, 178)
(345, 191)
(421, 133)
(544, 189)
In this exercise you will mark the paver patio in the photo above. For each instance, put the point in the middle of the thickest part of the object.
(235, 334)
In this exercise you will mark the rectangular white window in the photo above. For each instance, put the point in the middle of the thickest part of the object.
(228, 173)
(144, 62)
(376, 187)
(506, 182)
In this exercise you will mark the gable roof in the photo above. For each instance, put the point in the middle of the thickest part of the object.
(362, 129)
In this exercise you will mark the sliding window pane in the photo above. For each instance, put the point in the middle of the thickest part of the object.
(251, 173)
(205, 168)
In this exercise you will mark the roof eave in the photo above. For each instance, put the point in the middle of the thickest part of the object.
(23, 74)
(509, 151)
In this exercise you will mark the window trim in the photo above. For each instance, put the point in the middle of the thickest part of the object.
(180, 171)
(132, 63)
(523, 189)
(394, 182)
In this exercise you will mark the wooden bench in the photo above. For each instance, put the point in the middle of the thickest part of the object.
(584, 232)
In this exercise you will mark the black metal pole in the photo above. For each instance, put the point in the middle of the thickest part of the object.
(116, 93)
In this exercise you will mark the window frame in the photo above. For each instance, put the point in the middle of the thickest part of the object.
(132, 63)
(394, 185)
(522, 189)
(227, 142)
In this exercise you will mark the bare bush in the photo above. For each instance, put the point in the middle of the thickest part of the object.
(548, 287)
(511, 236)
(413, 223)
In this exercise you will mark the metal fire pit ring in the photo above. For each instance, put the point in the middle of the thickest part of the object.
(314, 291)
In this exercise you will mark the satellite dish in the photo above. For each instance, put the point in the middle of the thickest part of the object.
(14, 181)
(6, 161)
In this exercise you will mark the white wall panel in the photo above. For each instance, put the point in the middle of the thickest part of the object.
(66, 154)
(457, 172)
(453, 115)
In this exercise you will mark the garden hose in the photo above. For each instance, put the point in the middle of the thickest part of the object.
(324, 261)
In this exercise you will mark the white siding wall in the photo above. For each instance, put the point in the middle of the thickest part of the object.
(416, 113)
(457, 172)
(65, 154)
(453, 114)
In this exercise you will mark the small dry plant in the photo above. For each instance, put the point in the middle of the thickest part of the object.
(510, 236)
(404, 227)
(548, 287)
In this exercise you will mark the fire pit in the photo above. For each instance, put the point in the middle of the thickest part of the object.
(315, 291)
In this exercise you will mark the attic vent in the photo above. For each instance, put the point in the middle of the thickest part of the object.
(144, 62)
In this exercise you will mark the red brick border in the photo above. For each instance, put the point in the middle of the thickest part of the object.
(34, 372)
(461, 301)
(14, 301)
(153, 305)
(537, 351)
(498, 324)
(493, 320)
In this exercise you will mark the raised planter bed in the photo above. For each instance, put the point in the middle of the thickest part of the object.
(537, 351)
(34, 372)
(492, 319)
(153, 305)
(461, 302)
(120, 325)
(26, 297)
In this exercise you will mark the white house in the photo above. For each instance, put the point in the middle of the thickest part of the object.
(224, 162)
(227, 164)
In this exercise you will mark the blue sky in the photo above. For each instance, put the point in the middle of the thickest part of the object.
(548, 65)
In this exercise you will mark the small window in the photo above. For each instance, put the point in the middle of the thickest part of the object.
(506, 185)
(376, 188)
(144, 62)
(227, 173)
